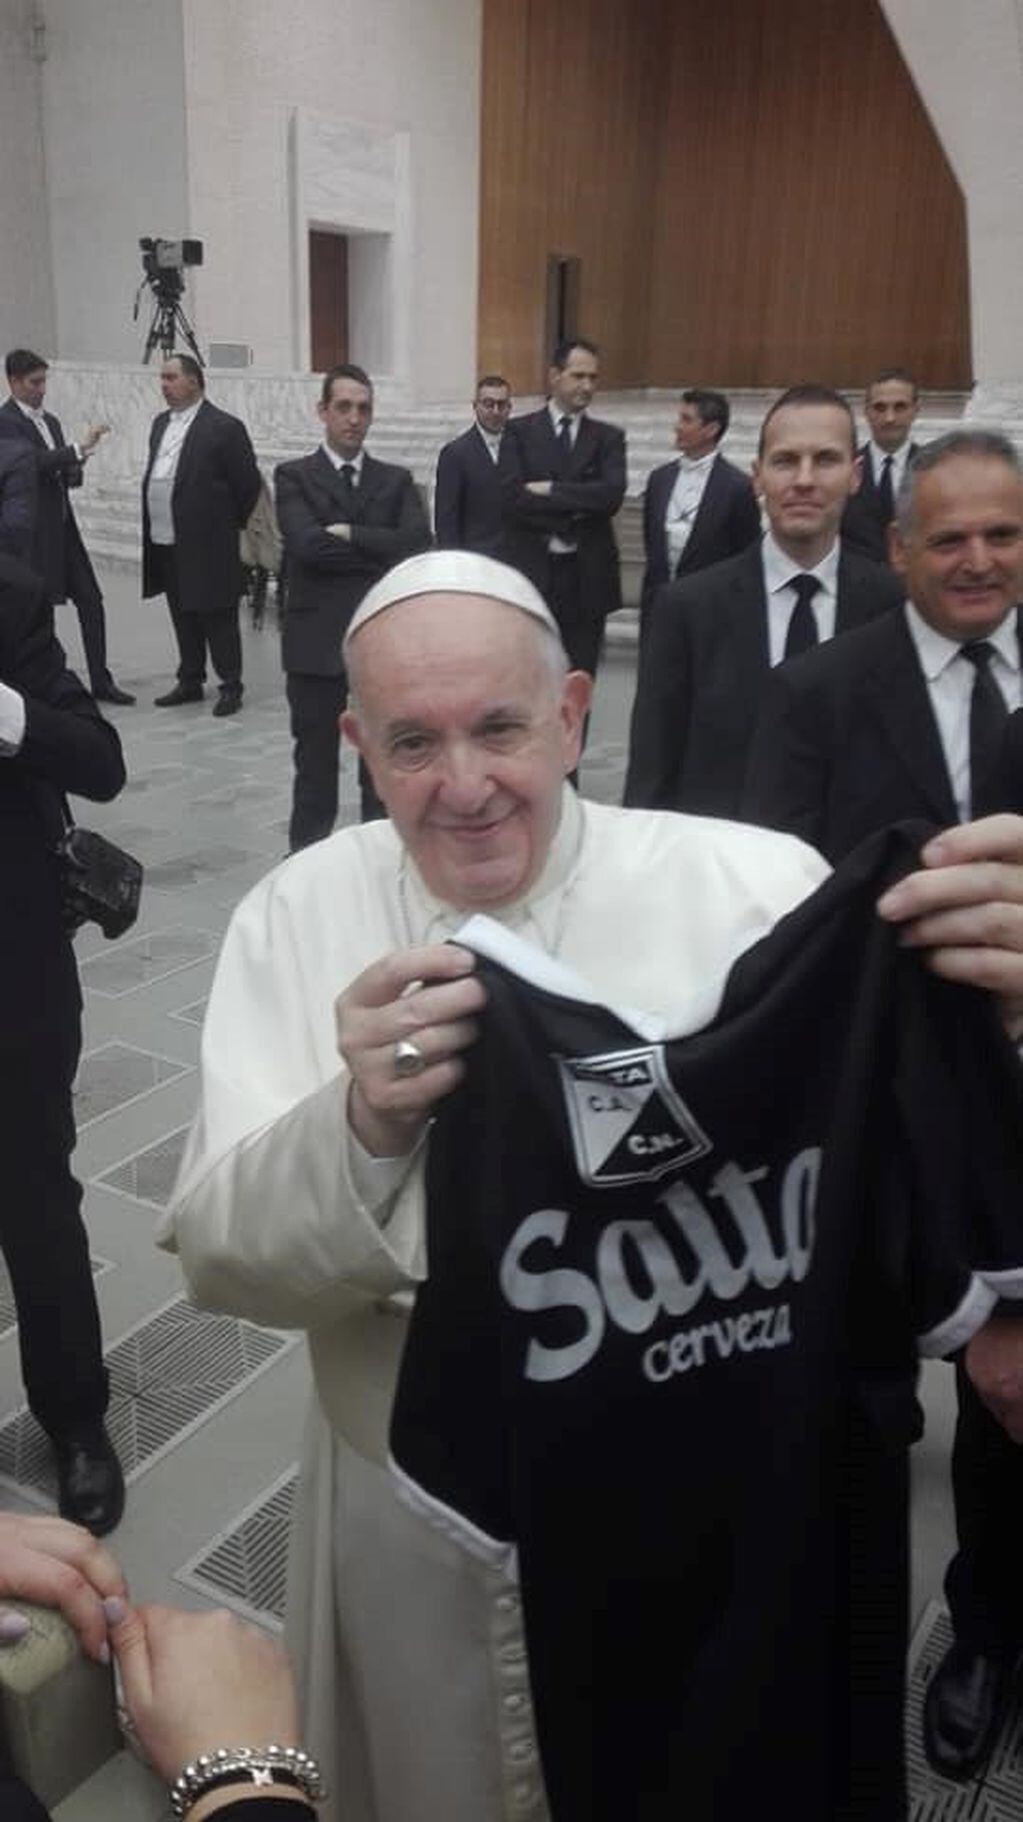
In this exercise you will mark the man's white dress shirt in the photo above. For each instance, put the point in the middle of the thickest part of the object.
(779, 572)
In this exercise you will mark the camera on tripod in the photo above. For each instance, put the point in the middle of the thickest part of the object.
(163, 267)
(160, 257)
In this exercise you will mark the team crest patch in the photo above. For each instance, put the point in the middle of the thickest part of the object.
(629, 1124)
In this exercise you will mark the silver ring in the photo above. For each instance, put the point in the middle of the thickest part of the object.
(408, 1058)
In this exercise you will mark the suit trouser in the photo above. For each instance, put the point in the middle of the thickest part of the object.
(43, 1237)
(198, 633)
(582, 633)
(83, 589)
(984, 1582)
(316, 704)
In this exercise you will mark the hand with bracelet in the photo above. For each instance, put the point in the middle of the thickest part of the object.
(213, 1703)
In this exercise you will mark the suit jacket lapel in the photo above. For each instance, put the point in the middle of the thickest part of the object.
(711, 506)
(898, 692)
(849, 592)
(583, 447)
(369, 484)
(479, 455)
(329, 479)
(27, 427)
(662, 486)
(195, 436)
(748, 636)
(868, 486)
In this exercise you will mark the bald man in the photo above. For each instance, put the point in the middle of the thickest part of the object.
(336, 1028)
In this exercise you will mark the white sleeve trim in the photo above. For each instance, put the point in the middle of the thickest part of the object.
(960, 1327)
(496, 1552)
(1007, 1284)
(485, 936)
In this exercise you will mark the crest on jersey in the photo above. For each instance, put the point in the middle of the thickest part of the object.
(629, 1123)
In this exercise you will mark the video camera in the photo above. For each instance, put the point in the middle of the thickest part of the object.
(162, 256)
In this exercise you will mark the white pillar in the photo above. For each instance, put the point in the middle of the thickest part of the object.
(966, 58)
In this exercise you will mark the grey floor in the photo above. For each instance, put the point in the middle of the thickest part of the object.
(206, 1411)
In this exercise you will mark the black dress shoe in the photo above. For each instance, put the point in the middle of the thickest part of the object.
(182, 692)
(228, 702)
(90, 1485)
(964, 1708)
(112, 692)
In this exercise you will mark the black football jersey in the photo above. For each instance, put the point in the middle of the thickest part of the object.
(664, 1356)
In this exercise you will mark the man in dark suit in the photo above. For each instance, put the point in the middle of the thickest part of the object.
(200, 486)
(57, 552)
(345, 518)
(699, 509)
(468, 505)
(564, 479)
(714, 637)
(909, 717)
(52, 740)
(890, 407)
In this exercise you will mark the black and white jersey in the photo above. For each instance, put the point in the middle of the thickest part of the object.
(664, 1356)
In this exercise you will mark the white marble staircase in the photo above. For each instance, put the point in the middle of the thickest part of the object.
(284, 425)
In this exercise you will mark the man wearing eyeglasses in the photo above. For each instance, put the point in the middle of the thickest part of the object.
(468, 507)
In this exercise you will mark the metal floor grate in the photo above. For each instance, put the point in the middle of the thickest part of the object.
(998, 1795)
(116, 1074)
(167, 1377)
(245, 1566)
(148, 1175)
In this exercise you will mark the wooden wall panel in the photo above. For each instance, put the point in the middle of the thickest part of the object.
(753, 187)
(571, 111)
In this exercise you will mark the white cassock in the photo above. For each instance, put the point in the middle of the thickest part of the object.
(410, 1653)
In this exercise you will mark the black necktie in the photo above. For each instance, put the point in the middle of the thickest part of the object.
(988, 716)
(346, 480)
(802, 634)
(565, 440)
(885, 494)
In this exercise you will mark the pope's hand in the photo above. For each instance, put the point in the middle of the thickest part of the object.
(965, 907)
(424, 997)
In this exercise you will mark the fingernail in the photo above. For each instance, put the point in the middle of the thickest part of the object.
(115, 1609)
(13, 1626)
(103, 1654)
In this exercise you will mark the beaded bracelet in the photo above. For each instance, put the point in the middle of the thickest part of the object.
(263, 1765)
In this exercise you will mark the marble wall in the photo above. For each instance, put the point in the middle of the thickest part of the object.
(26, 295)
(967, 63)
(343, 115)
(114, 124)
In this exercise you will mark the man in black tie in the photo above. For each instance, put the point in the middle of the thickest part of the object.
(699, 509)
(345, 518)
(564, 478)
(713, 638)
(468, 505)
(57, 553)
(907, 718)
(890, 407)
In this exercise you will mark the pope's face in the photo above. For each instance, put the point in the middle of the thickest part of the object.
(468, 734)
